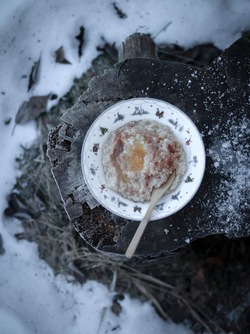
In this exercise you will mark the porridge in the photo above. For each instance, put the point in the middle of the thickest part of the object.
(139, 157)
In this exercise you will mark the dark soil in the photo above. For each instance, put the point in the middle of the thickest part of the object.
(205, 285)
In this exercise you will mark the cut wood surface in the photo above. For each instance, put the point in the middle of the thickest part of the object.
(216, 98)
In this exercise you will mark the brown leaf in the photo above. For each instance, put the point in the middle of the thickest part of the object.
(33, 77)
(60, 56)
(119, 12)
(31, 109)
(80, 38)
(116, 307)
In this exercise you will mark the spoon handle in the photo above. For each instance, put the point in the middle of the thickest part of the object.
(137, 237)
(156, 196)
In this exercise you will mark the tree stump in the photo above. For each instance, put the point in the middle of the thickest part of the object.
(216, 98)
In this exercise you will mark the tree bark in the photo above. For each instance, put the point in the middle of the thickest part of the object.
(137, 46)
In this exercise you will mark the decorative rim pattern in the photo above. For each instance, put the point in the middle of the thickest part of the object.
(133, 110)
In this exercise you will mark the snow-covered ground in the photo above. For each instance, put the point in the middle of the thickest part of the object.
(32, 298)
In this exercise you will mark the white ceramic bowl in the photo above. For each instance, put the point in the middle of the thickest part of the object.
(133, 110)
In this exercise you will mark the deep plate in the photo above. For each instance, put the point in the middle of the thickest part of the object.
(133, 110)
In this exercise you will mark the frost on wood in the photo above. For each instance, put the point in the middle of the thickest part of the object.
(217, 99)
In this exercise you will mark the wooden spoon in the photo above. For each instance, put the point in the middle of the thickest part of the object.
(155, 197)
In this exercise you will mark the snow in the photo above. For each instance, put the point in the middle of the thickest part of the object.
(233, 160)
(32, 298)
